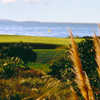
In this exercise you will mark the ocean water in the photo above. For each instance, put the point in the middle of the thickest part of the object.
(47, 29)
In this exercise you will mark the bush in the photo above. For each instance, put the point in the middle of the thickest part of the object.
(13, 58)
(9, 65)
(87, 55)
(26, 54)
(62, 68)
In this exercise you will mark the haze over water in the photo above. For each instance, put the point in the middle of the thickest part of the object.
(47, 29)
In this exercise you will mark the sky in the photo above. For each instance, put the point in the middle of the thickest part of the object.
(87, 11)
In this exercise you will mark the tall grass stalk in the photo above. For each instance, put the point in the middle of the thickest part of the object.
(80, 78)
(90, 91)
(74, 94)
(97, 50)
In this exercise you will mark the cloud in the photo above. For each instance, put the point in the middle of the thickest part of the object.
(44, 2)
(27, 1)
(32, 1)
(8, 1)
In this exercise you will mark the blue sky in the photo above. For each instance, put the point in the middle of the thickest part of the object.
(51, 10)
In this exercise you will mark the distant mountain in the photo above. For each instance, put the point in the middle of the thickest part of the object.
(37, 22)
(6, 20)
(25, 23)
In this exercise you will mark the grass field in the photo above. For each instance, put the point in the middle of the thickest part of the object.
(47, 49)
(32, 39)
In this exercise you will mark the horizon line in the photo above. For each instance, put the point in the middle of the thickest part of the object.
(49, 21)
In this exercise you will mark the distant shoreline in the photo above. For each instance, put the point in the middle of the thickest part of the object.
(26, 21)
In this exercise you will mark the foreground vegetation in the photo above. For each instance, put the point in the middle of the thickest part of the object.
(33, 68)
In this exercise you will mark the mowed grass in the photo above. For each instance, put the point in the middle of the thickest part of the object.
(33, 39)
(47, 55)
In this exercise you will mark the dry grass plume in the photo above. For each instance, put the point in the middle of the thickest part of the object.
(90, 91)
(81, 79)
(74, 94)
(97, 50)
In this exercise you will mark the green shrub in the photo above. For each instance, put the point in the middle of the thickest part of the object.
(87, 55)
(62, 68)
(9, 71)
(25, 54)
(9, 65)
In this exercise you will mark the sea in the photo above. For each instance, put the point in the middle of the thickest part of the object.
(29, 28)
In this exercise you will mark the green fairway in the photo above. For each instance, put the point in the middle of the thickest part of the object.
(33, 39)
(47, 55)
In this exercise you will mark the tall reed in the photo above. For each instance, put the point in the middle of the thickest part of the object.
(80, 77)
(74, 94)
(97, 50)
(90, 91)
